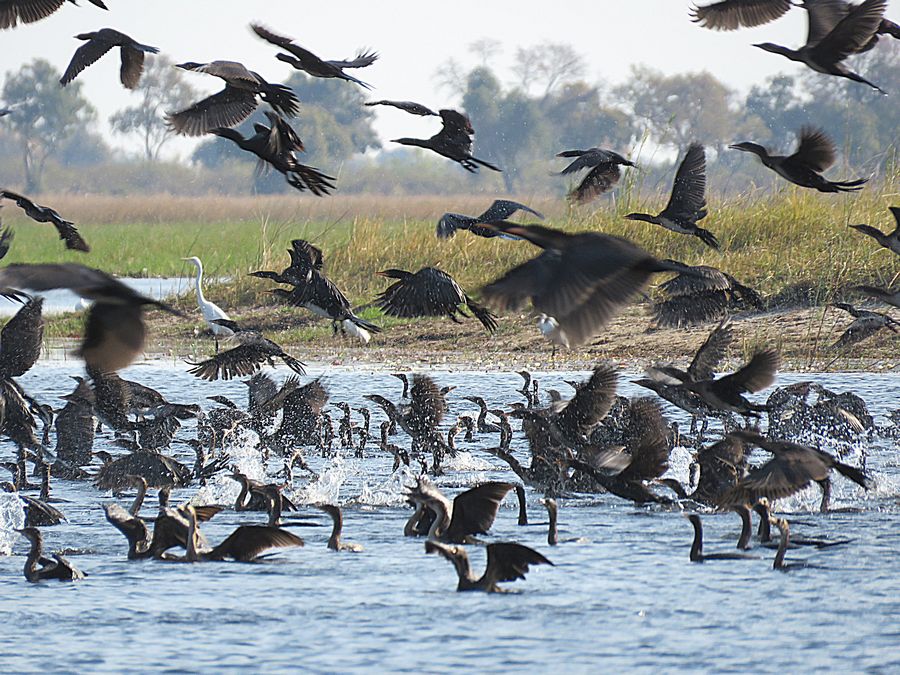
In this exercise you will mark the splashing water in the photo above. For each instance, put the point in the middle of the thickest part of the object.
(390, 492)
(326, 489)
(12, 517)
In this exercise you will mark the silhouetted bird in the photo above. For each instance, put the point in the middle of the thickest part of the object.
(604, 173)
(275, 148)
(505, 562)
(833, 38)
(21, 340)
(453, 141)
(246, 358)
(687, 204)
(704, 295)
(429, 292)
(411, 107)
(726, 393)
(890, 241)
(305, 60)
(577, 284)
(115, 332)
(496, 213)
(100, 42)
(790, 470)
(734, 14)
(815, 153)
(44, 214)
(29, 11)
(865, 325)
(235, 103)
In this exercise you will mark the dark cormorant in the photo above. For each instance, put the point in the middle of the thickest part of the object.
(890, 241)
(791, 469)
(697, 554)
(834, 36)
(59, 568)
(471, 512)
(275, 147)
(704, 295)
(429, 292)
(411, 107)
(734, 14)
(482, 425)
(579, 282)
(235, 103)
(505, 562)
(453, 141)
(44, 214)
(337, 519)
(305, 60)
(115, 332)
(245, 544)
(727, 393)
(99, 43)
(815, 153)
(155, 468)
(602, 177)
(498, 212)
(38, 513)
(28, 11)
(866, 324)
(783, 544)
(245, 359)
(687, 203)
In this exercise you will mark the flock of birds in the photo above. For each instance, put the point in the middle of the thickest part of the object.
(596, 441)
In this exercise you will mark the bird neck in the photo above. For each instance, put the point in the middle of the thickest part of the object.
(782, 545)
(552, 535)
(45, 482)
(192, 553)
(463, 570)
(138, 498)
(334, 541)
(441, 519)
(697, 544)
(198, 282)
(31, 562)
(744, 539)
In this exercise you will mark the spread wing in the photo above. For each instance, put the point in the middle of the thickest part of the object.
(361, 60)
(591, 402)
(509, 562)
(86, 55)
(248, 542)
(689, 189)
(598, 181)
(475, 509)
(815, 149)
(758, 374)
(236, 362)
(711, 353)
(428, 292)
(502, 209)
(734, 14)
(227, 108)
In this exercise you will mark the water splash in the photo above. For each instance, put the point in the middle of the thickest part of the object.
(12, 517)
(466, 461)
(390, 492)
(326, 489)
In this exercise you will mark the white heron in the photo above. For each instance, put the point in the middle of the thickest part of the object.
(210, 310)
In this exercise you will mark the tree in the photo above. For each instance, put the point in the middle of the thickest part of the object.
(46, 117)
(162, 89)
(547, 66)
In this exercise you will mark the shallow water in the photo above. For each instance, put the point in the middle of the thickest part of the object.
(624, 596)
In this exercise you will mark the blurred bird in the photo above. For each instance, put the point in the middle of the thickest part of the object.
(496, 213)
(603, 175)
(866, 324)
(28, 11)
(890, 241)
(411, 107)
(44, 214)
(253, 351)
(704, 295)
(100, 42)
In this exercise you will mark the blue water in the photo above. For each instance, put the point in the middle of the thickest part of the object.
(622, 597)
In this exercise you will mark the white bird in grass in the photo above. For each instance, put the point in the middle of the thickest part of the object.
(210, 310)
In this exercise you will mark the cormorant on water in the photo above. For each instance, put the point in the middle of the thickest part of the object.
(815, 153)
(99, 43)
(430, 292)
(697, 554)
(59, 568)
(305, 60)
(687, 203)
(235, 103)
(337, 519)
(505, 562)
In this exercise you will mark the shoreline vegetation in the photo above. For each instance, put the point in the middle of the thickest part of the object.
(793, 246)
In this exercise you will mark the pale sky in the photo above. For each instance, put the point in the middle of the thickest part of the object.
(413, 39)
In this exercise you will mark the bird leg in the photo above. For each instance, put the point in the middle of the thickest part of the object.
(825, 484)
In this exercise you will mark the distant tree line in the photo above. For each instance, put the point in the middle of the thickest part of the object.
(547, 106)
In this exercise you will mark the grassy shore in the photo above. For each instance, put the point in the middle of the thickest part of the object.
(779, 243)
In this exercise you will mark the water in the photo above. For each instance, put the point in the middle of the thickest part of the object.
(624, 596)
(63, 300)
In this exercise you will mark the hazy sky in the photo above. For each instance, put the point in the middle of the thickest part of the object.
(413, 38)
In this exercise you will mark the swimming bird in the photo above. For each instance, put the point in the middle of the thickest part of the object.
(482, 425)
(211, 311)
(471, 512)
(505, 562)
(248, 357)
(498, 212)
(99, 43)
(337, 519)
(721, 466)
(44, 214)
(866, 324)
(453, 141)
(705, 294)
(411, 107)
(275, 146)
(697, 554)
(38, 513)
(59, 568)
(687, 203)
(115, 331)
(885, 295)
(778, 563)
(235, 103)
(245, 544)
(815, 153)
(831, 38)
(727, 393)
(28, 11)
(579, 282)
(305, 60)
(792, 468)
(890, 241)
(603, 175)
(430, 292)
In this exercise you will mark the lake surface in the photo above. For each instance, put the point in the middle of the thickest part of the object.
(624, 597)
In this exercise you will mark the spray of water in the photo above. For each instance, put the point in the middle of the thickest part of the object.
(12, 517)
